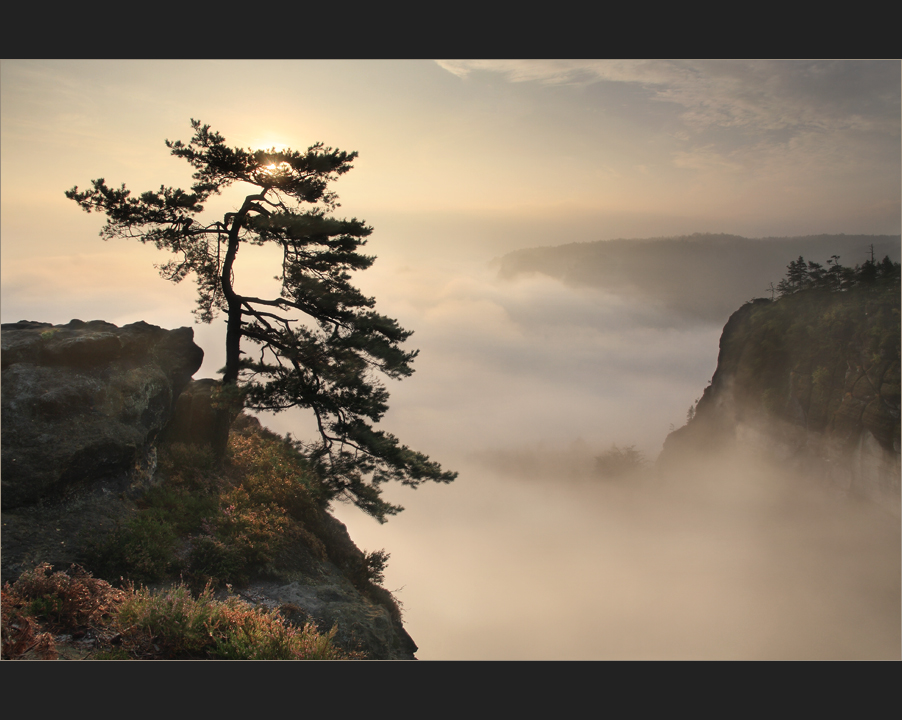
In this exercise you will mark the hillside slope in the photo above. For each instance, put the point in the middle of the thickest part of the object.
(108, 469)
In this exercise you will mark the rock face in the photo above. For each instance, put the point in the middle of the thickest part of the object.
(83, 403)
(811, 381)
(199, 418)
(85, 408)
(323, 593)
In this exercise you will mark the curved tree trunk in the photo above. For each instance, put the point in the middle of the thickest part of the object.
(227, 413)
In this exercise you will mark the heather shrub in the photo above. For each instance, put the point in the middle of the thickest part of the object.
(180, 505)
(210, 560)
(274, 471)
(173, 620)
(189, 627)
(40, 601)
(247, 634)
(21, 632)
(256, 530)
(64, 600)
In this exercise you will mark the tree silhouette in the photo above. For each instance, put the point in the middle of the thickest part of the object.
(327, 362)
(620, 461)
(802, 276)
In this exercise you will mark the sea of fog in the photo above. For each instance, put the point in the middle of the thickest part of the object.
(529, 555)
(518, 386)
(729, 564)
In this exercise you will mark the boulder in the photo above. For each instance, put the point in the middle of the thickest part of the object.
(82, 404)
(323, 591)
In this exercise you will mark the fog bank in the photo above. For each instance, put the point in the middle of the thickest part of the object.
(733, 562)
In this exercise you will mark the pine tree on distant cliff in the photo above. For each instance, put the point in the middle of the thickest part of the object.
(796, 273)
(835, 278)
(326, 364)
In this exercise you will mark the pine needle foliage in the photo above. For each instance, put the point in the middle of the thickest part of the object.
(319, 345)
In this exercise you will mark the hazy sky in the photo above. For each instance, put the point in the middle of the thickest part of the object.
(572, 150)
(460, 162)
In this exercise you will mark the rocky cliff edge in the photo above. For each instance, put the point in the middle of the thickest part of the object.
(810, 381)
(97, 423)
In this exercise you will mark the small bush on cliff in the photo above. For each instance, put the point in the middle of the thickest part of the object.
(254, 531)
(143, 548)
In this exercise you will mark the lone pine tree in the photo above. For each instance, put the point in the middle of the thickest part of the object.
(326, 364)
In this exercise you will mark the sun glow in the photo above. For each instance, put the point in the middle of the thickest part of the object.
(268, 144)
(272, 169)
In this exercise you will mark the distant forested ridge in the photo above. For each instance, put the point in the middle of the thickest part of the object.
(702, 277)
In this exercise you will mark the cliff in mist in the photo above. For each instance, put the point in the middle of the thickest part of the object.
(812, 381)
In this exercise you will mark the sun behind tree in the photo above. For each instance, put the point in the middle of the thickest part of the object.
(327, 365)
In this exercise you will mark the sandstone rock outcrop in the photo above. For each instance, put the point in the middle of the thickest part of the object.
(811, 382)
(83, 403)
(323, 593)
(86, 406)
(200, 418)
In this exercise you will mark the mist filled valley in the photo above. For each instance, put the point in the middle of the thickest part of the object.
(738, 562)
(535, 552)
(525, 381)
(646, 310)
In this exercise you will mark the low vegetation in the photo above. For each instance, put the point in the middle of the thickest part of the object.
(205, 527)
(217, 525)
(42, 606)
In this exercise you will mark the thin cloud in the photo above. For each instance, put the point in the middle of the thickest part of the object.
(759, 96)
